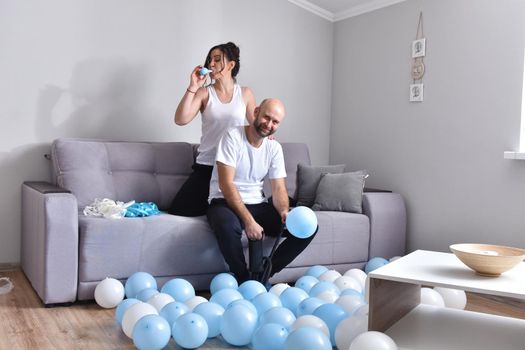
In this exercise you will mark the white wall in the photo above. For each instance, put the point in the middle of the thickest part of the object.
(445, 155)
(116, 69)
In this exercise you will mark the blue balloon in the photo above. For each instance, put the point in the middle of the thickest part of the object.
(308, 306)
(270, 336)
(332, 315)
(180, 289)
(292, 297)
(245, 303)
(173, 310)
(151, 332)
(323, 286)
(251, 288)
(145, 294)
(279, 315)
(301, 222)
(375, 263)
(225, 296)
(190, 330)
(238, 324)
(122, 307)
(307, 338)
(306, 283)
(222, 281)
(204, 71)
(137, 282)
(316, 271)
(212, 313)
(265, 301)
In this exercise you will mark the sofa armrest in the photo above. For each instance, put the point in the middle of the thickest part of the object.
(387, 215)
(49, 247)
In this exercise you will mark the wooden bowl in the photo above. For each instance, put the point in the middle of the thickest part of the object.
(487, 259)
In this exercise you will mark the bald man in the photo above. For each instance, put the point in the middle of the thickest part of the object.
(238, 205)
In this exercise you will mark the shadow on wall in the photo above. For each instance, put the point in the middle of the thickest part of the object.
(25, 163)
(106, 99)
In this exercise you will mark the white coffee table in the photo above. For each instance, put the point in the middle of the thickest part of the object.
(394, 298)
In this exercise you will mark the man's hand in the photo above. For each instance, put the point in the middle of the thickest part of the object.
(284, 214)
(253, 230)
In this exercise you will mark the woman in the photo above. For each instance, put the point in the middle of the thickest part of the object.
(222, 104)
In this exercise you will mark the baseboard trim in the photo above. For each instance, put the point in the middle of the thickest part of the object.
(9, 266)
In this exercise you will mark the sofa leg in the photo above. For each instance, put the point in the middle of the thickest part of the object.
(49, 306)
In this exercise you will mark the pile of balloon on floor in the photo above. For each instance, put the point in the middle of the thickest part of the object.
(323, 309)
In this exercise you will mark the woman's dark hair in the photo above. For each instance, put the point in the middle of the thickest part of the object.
(231, 52)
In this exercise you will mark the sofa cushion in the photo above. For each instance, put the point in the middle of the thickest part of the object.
(308, 178)
(163, 245)
(341, 192)
(169, 245)
(124, 171)
(342, 238)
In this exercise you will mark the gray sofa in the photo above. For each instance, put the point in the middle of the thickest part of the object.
(66, 254)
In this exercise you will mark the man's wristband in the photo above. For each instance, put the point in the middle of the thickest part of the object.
(191, 91)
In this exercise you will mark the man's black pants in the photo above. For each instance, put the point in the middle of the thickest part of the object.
(228, 229)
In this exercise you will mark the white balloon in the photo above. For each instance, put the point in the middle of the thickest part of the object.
(135, 313)
(431, 297)
(358, 274)
(328, 295)
(160, 300)
(394, 258)
(278, 288)
(350, 303)
(373, 340)
(194, 301)
(329, 276)
(453, 298)
(348, 282)
(348, 329)
(109, 293)
(362, 310)
(310, 321)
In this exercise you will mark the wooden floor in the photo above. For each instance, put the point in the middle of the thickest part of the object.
(26, 324)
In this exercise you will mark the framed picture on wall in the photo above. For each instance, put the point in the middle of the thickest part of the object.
(418, 48)
(416, 92)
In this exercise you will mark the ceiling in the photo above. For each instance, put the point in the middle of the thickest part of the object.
(336, 10)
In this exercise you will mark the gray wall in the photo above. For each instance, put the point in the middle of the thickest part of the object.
(445, 155)
(116, 69)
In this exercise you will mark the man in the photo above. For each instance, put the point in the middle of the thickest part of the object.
(245, 156)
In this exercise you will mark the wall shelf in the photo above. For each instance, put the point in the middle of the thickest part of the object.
(514, 155)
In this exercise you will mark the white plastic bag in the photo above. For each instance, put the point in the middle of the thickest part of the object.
(5, 285)
(107, 208)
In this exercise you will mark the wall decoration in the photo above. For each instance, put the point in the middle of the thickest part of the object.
(416, 92)
(417, 70)
(418, 48)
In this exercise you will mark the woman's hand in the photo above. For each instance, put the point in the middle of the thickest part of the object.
(196, 80)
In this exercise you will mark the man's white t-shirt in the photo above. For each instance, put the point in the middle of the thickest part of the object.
(251, 165)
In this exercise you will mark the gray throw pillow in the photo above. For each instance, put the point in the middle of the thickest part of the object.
(341, 192)
(308, 178)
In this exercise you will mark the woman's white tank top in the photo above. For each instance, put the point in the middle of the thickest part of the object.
(218, 117)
